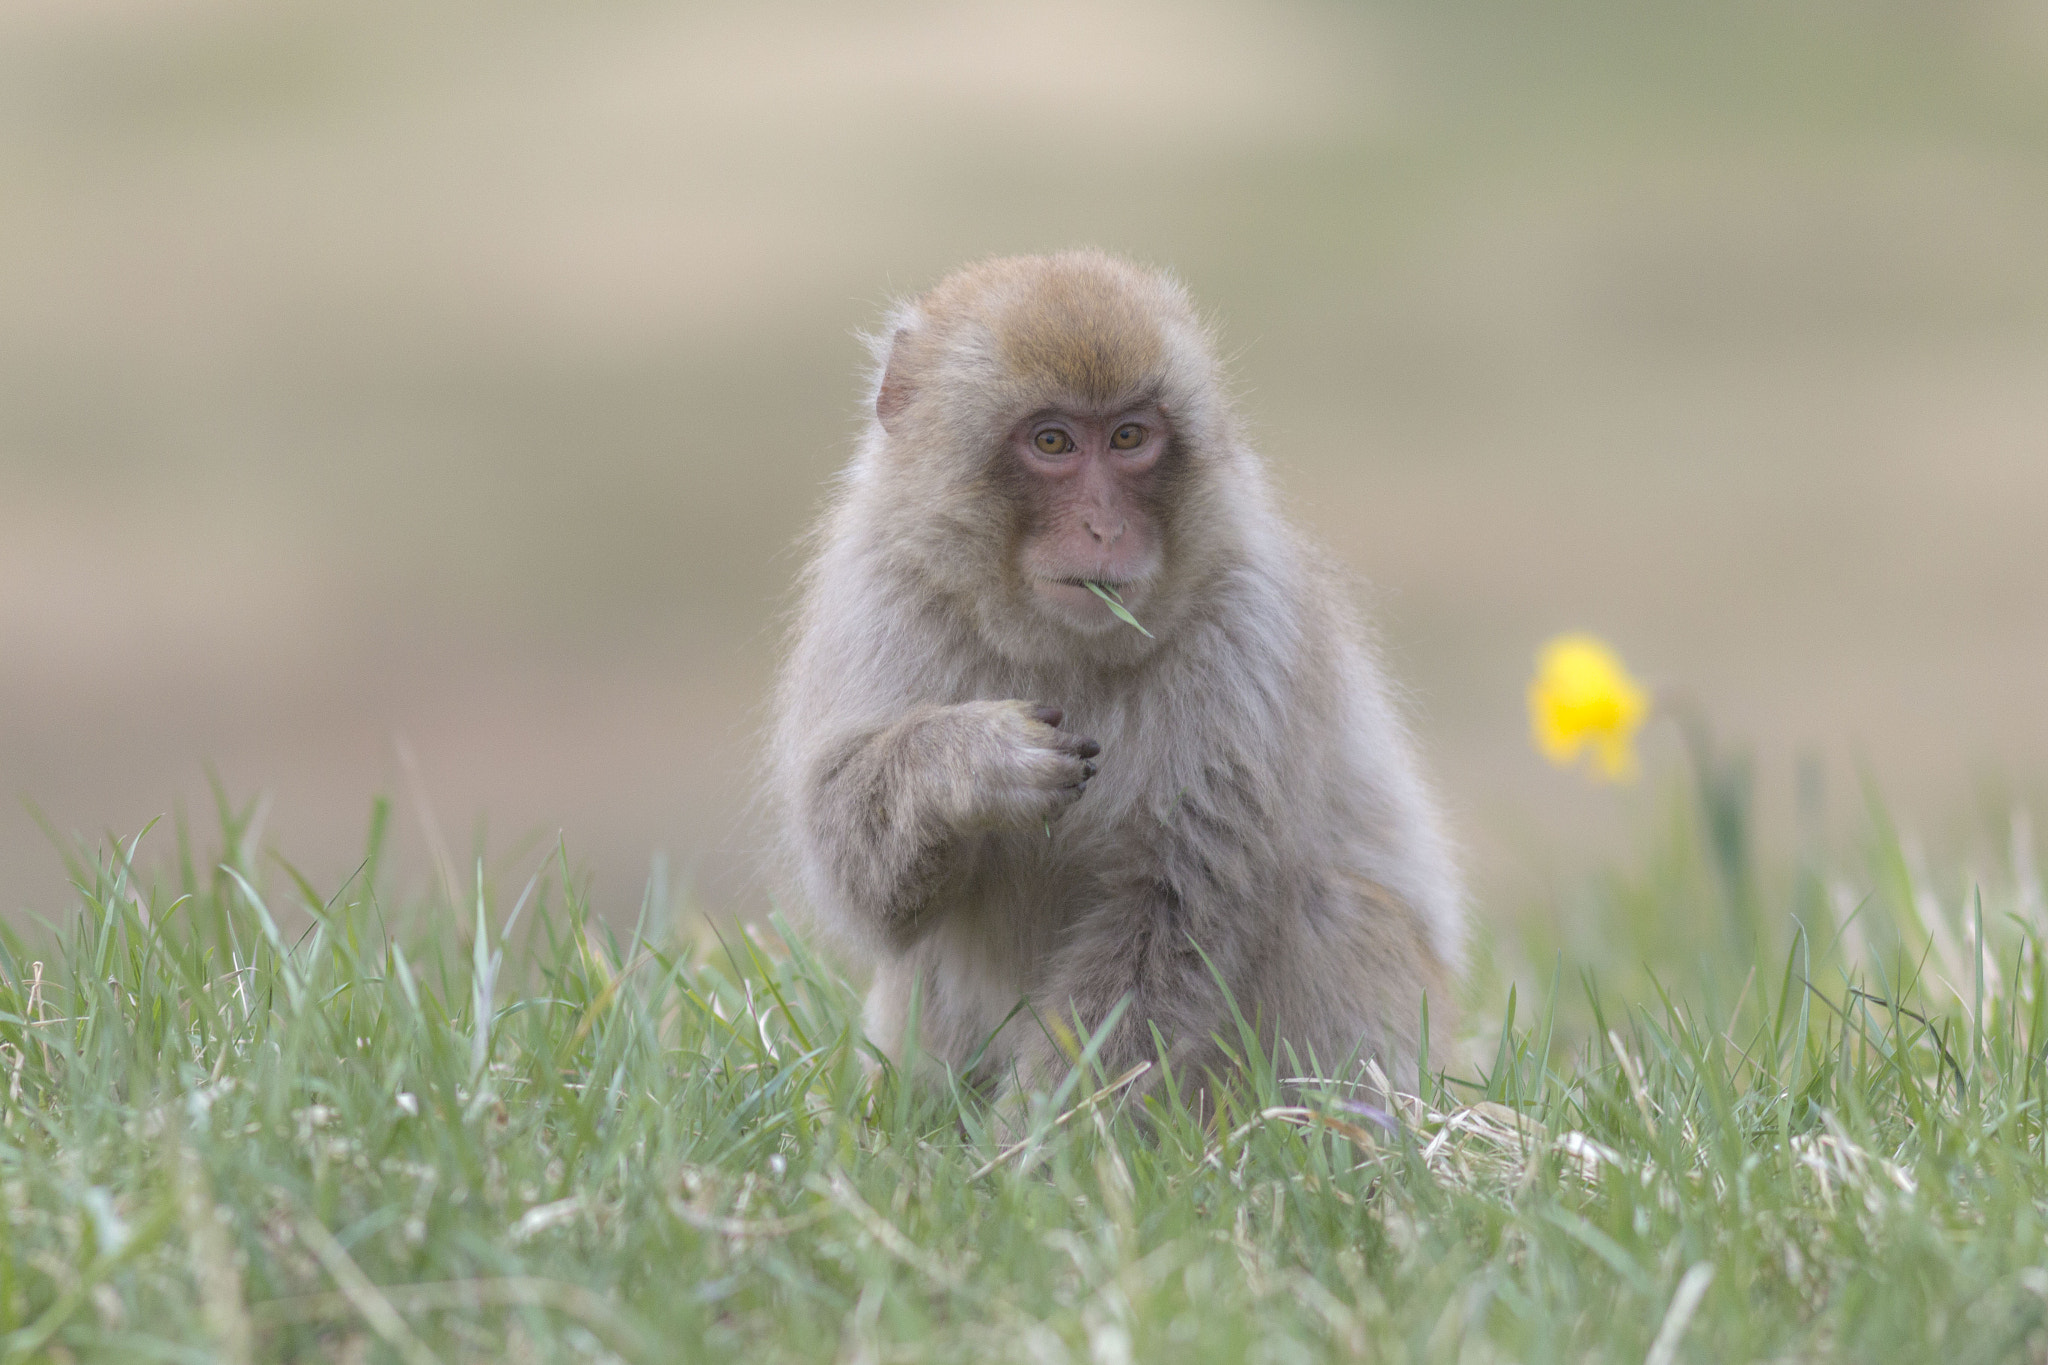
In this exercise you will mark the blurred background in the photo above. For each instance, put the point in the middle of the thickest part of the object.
(427, 399)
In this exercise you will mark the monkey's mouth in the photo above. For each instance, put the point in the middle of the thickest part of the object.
(1086, 590)
(1091, 603)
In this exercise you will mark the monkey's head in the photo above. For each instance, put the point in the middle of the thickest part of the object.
(1045, 422)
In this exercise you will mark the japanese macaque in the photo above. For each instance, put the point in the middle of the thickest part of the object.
(997, 789)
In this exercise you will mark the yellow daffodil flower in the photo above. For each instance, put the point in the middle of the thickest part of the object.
(1583, 698)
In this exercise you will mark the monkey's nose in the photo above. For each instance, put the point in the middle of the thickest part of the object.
(1105, 538)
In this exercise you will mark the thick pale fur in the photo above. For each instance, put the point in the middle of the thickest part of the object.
(1258, 800)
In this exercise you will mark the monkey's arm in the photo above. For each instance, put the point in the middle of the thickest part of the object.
(890, 814)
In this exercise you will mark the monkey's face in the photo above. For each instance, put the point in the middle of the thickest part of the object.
(1090, 495)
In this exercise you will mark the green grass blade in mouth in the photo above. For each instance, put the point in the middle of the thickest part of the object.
(1116, 606)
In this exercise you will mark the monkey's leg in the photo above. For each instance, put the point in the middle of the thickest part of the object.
(1158, 957)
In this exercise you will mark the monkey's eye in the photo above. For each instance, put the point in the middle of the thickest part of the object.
(1129, 436)
(1053, 441)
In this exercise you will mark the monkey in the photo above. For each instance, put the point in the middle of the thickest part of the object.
(998, 790)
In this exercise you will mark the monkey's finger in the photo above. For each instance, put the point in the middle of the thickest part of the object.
(1048, 715)
(1076, 775)
(1075, 746)
(1062, 797)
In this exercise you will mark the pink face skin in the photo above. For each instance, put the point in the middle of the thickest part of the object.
(1092, 479)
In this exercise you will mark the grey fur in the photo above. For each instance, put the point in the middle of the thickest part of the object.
(1258, 793)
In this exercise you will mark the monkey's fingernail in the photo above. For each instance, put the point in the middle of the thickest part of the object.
(1089, 748)
(1050, 715)
(1087, 771)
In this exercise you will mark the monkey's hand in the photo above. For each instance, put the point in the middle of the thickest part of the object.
(887, 812)
(1008, 764)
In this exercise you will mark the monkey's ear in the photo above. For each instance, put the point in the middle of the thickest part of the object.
(894, 395)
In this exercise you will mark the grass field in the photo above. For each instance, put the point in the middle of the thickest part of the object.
(1748, 1113)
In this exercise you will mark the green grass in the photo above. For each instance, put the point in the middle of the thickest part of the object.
(249, 1119)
